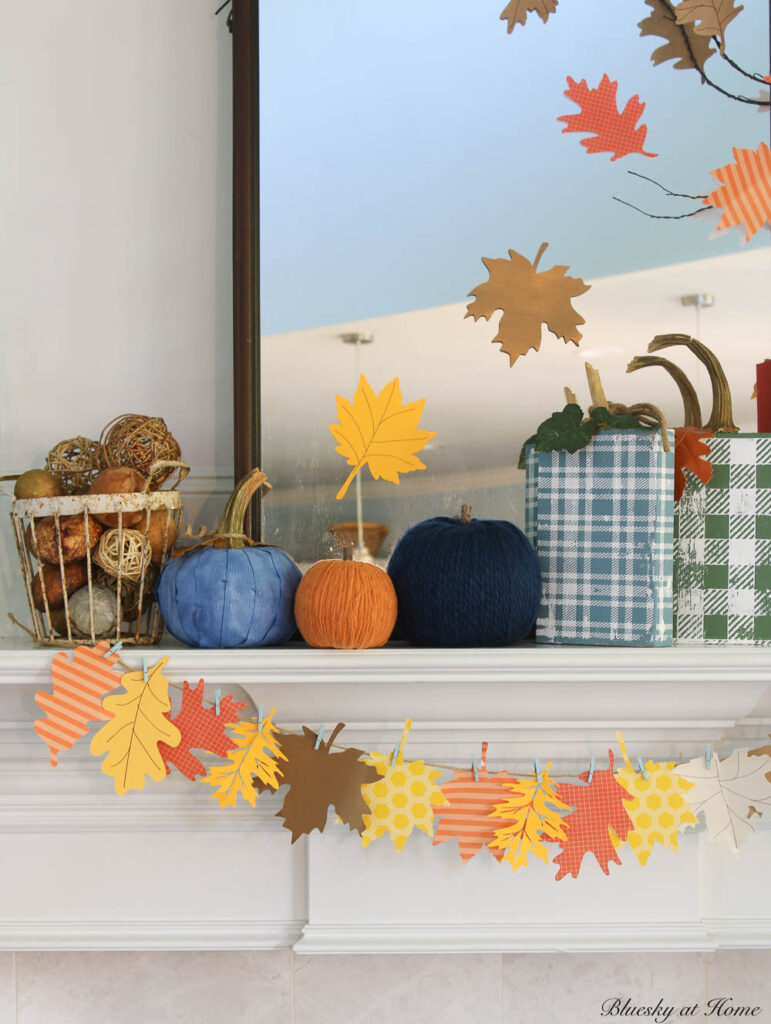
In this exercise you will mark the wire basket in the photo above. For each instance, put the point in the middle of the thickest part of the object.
(90, 580)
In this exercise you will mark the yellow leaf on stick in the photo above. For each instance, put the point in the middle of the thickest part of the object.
(255, 754)
(138, 725)
(378, 431)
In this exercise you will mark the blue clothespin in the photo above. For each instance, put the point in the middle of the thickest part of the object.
(476, 769)
(537, 770)
(114, 649)
(641, 766)
(259, 718)
(144, 669)
(708, 756)
(319, 734)
(217, 695)
(591, 772)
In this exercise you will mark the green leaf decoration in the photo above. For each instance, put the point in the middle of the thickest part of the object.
(568, 431)
(607, 421)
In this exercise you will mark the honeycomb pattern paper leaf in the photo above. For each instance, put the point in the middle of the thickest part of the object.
(691, 453)
(318, 779)
(612, 132)
(78, 687)
(683, 45)
(724, 792)
(709, 17)
(402, 799)
(657, 806)
(255, 754)
(745, 194)
(379, 432)
(467, 814)
(201, 728)
(138, 724)
(534, 817)
(527, 299)
(516, 11)
(598, 807)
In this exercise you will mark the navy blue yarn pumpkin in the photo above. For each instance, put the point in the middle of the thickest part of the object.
(465, 583)
(227, 594)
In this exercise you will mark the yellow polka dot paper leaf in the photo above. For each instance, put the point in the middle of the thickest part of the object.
(658, 807)
(534, 812)
(252, 762)
(724, 791)
(138, 724)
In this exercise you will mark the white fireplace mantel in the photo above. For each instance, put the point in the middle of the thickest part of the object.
(166, 868)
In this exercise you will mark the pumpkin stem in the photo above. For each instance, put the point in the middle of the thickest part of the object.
(465, 513)
(238, 503)
(721, 419)
(690, 399)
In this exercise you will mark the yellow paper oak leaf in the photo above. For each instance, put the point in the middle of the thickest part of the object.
(535, 811)
(378, 431)
(130, 739)
(528, 300)
(255, 753)
(516, 11)
(657, 807)
(709, 17)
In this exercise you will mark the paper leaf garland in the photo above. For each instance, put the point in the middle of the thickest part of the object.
(138, 724)
(516, 11)
(200, 728)
(710, 17)
(746, 191)
(256, 753)
(598, 807)
(683, 45)
(380, 432)
(76, 698)
(469, 811)
(724, 792)
(656, 805)
(318, 779)
(762, 752)
(528, 299)
(534, 818)
(612, 132)
(693, 454)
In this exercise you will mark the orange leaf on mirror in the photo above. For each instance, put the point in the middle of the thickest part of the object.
(528, 299)
(612, 132)
(746, 190)
(692, 453)
(516, 11)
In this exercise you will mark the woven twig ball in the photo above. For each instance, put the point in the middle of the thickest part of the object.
(74, 463)
(139, 441)
(127, 554)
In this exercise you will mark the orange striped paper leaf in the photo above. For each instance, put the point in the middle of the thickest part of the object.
(745, 194)
(76, 700)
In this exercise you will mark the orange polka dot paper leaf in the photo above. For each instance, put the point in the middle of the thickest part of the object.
(78, 687)
(533, 816)
(745, 194)
(469, 812)
(657, 806)
(201, 728)
(611, 131)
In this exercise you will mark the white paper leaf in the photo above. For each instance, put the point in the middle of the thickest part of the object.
(724, 792)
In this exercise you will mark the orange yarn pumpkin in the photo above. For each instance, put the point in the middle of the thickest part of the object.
(345, 605)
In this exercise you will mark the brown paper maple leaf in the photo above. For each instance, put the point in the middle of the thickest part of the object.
(516, 12)
(528, 300)
(710, 17)
(318, 779)
(683, 45)
(691, 453)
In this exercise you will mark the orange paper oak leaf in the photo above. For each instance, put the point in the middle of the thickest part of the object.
(598, 807)
(379, 432)
(516, 11)
(709, 17)
(613, 132)
(201, 728)
(692, 453)
(528, 299)
(746, 191)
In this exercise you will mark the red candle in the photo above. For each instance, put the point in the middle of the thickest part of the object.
(764, 397)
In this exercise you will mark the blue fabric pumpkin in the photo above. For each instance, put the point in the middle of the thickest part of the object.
(232, 596)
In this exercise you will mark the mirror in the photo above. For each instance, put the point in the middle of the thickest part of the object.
(399, 146)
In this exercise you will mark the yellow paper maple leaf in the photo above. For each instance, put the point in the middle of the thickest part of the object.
(656, 806)
(534, 810)
(380, 432)
(130, 739)
(528, 299)
(255, 753)
(516, 11)
(710, 17)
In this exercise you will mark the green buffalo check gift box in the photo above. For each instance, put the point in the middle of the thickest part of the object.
(722, 558)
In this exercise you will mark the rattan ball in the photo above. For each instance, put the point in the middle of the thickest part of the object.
(139, 441)
(125, 552)
(74, 463)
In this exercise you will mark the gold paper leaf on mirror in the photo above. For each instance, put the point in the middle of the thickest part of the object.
(528, 299)
(683, 45)
(516, 11)
(709, 17)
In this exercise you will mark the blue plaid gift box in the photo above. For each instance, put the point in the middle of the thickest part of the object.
(601, 521)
